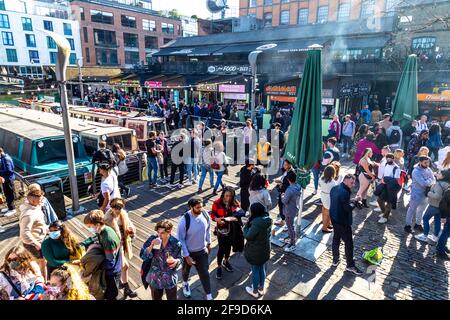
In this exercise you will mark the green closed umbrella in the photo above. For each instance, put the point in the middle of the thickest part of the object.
(304, 143)
(405, 107)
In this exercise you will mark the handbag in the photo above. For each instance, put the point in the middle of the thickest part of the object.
(223, 231)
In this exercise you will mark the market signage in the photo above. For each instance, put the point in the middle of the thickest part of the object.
(290, 91)
(230, 69)
(232, 88)
(153, 84)
(235, 96)
(207, 87)
(124, 83)
(433, 97)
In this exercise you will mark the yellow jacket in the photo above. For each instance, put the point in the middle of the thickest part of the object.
(263, 151)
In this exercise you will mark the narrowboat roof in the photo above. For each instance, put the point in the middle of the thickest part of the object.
(55, 121)
(28, 129)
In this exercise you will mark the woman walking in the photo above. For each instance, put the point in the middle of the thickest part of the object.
(257, 249)
(122, 168)
(218, 163)
(366, 175)
(327, 182)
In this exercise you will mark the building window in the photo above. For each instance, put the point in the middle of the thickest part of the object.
(128, 21)
(423, 45)
(48, 25)
(148, 25)
(106, 56)
(53, 57)
(252, 3)
(85, 34)
(87, 55)
(2, 5)
(284, 18)
(82, 17)
(322, 14)
(166, 40)
(34, 56)
(344, 12)
(67, 29)
(73, 58)
(27, 24)
(51, 44)
(131, 57)
(102, 17)
(267, 2)
(104, 38)
(267, 19)
(367, 8)
(4, 21)
(8, 39)
(130, 40)
(303, 16)
(11, 55)
(72, 43)
(151, 42)
(391, 5)
(50, 12)
(167, 28)
(31, 40)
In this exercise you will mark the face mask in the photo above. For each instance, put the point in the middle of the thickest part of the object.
(390, 161)
(92, 229)
(424, 166)
(13, 265)
(53, 291)
(55, 234)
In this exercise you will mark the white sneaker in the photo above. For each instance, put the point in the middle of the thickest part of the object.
(382, 220)
(421, 237)
(290, 248)
(250, 292)
(377, 210)
(2, 229)
(189, 183)
(186, 291)
(4, 210)
(381, 215)
(10, 213)
(374, 203)
(433, 238)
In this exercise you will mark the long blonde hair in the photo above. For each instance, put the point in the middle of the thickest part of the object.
(75, 288)
(446, 161)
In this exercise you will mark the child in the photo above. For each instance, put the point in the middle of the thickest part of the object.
(290, 201)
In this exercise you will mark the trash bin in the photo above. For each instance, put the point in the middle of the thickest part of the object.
(53, 188)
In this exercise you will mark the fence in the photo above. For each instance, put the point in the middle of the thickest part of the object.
(135, 163)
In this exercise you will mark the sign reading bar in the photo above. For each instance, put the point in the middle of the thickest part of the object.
(153, 84)
(232, 88)
(290, 91)
(124, 83)
(206, 87)
(230, 69)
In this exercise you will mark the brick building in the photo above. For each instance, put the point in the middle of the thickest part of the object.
(276, 13)
(117, 34)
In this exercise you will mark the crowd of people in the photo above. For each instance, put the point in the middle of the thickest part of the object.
(51, 263)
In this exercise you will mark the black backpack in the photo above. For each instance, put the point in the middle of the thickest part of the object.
(444, 204)
(394, 137)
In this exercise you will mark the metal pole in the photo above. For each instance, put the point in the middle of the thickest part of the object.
(253, 96)
(80, 80)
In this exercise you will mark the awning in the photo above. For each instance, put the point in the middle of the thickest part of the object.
(92, 72)
(189, 51)
(239, 48)
(360, 43)
(297, 45)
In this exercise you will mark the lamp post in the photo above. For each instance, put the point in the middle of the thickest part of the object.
(252, 57)
(61, 67)
(80, 77)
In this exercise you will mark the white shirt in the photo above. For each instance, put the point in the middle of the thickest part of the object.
(325, 189)
(381, 168)
(111, 185)
(421, 126)
(389, 171)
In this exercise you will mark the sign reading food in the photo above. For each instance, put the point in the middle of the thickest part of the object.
(290, 91)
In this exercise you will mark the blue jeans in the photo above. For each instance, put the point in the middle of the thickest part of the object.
(442, 243)
(316, 174)
(189, 167)
(152, 167)
(205, 170)
(432, 212)
(219, 179)
(258, 276)
(347, 143)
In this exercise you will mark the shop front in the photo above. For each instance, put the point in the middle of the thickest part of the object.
(435, 105)
(206, 92)
(151, 88)
(281, 95)
(128, 86)
(234, 94)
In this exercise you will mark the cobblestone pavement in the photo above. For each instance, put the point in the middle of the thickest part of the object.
(408, 271)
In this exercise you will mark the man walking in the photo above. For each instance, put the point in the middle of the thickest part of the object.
(152, 152)
(7, 177)
(341, 208)
(348, 134)
(195, 237)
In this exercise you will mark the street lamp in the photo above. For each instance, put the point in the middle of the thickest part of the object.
(61, 66)
(252, 57)
(80, 77)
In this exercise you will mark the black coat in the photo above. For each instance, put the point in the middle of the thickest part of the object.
(245, 176)
(340, 206)
(388, 191)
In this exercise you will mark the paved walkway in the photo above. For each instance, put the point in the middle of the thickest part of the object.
(408, 271)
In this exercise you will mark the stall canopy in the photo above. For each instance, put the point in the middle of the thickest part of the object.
(189, 51)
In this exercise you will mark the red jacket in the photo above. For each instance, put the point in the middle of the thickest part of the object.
(219, 211)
